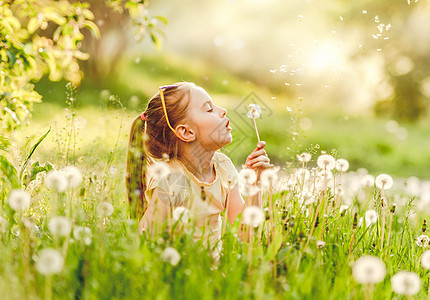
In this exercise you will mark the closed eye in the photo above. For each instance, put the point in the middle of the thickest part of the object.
(211, 110)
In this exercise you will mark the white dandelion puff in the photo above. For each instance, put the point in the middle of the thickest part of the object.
(326, 161)
(49, 262)
(320, 244)
(253, 216)
(425, 260)
(73, 176)
(247, 176)
(368, 180)
(304, 157)
(171, 255)
(342, 165)
(269, 177)
(83, 234)
(369, 269)
(406, 283)
(384, 181)
(254, 111)
(56, 180)
(105, 209)
(19, 200)
(248, 190)
(158, 170)
(182, 214)
(60, 226)
(422, 241)
(371, 217)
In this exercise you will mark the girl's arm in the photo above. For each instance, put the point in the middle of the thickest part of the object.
(155, 215)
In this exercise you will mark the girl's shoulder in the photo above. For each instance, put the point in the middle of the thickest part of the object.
(227, 171)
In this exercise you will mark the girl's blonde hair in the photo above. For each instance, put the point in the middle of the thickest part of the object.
(152, 138)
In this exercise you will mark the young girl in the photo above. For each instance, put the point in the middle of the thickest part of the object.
(174, 161)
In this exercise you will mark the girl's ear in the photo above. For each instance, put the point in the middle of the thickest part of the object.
(185, 133)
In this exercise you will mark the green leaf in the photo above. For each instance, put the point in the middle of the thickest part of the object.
(10, 172)
(274, 247)
(36, 168)
(163, 19)
(32, 151)
(157, 42)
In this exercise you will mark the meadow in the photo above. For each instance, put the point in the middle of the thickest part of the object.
(317, 222)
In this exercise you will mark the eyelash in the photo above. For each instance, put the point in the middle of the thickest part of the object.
(211, 110)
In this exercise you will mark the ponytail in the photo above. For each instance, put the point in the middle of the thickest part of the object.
(136, 169)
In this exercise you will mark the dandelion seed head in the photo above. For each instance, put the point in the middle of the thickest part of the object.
(368, 180)
(371, 217)
(384, 181)
(342, 165)
(304, 157)
(320, 244)
(247, 176)
(326, 162)
(19, 200)
(369, 269)
(171, 255)
(254, 111)
(73, 176)
(269, 177)
(56, 180)
(49, 262)
(247, 189)
(60, 226)
(182, 214)
(105, 209)
(158, 170)
(425, 260)
(83, 234)
(422, 241)
(253, 216)
(406, 283)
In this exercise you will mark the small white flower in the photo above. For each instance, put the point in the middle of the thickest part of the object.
(384, 181)
(369, 269)
(320, 244)
(60, 226)
(73, 176)
(422, 241)
(368, 180)
(425, 259)
(343, 208)
(181, 213)
(247, 176)
(371, 217)
(171, 256)
(105, 209)
(342, 165)
(83, 233)
(56, 180)
(254, 111)
(326, 161)
(302, 175)
(49, 262)
(269, 177)
(304, 157)
(3, 225)
(360, 222)
(406, 283)
(253, 216)
(19, 200)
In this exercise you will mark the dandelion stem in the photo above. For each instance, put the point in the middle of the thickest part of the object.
(256, 130)
(352, 243)
(389, 234)
(383, 219)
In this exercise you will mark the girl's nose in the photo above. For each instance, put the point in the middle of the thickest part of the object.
(223, 112)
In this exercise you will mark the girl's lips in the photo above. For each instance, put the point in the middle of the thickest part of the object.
(228, 128)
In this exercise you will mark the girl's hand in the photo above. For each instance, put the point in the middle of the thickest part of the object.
(258, 159)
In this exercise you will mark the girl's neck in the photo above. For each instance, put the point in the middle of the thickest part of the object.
(199, 162)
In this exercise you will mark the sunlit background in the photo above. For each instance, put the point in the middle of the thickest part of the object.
(350, 76)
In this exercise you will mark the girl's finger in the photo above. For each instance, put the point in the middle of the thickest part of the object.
(257, 159)
(259, 164)
(257, 153)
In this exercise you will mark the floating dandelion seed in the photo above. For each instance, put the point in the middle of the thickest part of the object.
(49, 262)
(304, 157)
(342, 165)
(181, 213)
(253, 216)
(105, 209)
(371, 217)
(56, 180)
(83, 233)
(60, 226)
(326, 162)
(384, 181)
(247, 176)
(406, 283)
(171, 256)
(425, 260)
(369, 270)
(19, 200)
(320, 244)
(289, 109)
(423, 240)
(254, 113)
